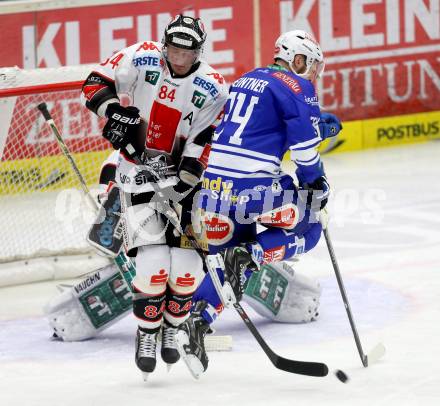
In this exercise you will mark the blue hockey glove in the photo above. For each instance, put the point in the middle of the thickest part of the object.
(329, 125)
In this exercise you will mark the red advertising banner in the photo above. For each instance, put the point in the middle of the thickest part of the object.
(90, 34)
(382, 56)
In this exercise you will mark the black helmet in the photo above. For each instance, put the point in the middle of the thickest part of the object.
(185, 32)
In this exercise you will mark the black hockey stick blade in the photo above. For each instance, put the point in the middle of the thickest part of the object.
(289, 365)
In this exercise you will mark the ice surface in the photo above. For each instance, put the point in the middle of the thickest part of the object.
(385, 230)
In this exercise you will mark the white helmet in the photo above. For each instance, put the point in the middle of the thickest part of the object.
(299, 42)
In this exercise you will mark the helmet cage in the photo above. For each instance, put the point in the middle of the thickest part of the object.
(185, 32)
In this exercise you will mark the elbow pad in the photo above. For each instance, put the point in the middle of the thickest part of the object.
(98, 92)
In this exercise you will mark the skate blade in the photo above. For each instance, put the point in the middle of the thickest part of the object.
(145, 376)
(169, 366)
(192, 362)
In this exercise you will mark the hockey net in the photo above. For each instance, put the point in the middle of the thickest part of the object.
(44, 217)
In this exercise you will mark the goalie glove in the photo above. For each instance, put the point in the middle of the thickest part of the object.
(122, 125)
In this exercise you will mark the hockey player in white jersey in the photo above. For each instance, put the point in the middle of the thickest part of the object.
(175, 100)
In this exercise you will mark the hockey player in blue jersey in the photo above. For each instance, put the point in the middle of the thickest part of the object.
(270, 111)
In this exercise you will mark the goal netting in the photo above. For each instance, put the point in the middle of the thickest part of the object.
(44, 217)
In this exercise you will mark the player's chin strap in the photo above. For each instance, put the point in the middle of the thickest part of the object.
(379, 350)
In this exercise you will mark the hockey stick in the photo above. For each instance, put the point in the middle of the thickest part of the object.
(289, 365)
(379, 350)
(123, 263)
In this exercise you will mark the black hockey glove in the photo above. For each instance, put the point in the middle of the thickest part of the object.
(122, 125)
(317, 193)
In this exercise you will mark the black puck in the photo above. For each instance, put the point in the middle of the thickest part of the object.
(341, 375)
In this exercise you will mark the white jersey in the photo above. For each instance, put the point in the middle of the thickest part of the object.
(175, 110)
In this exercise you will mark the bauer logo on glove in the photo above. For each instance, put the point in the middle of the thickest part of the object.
(122, 125)
(126, 120)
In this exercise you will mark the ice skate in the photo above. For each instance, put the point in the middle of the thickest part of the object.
(145, 352)
(169, 352)
(190, 341)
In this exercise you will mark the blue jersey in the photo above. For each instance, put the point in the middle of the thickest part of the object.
(269, 111)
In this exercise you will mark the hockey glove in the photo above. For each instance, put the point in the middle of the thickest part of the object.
(122, 125)
(329, 125)
(317, 193)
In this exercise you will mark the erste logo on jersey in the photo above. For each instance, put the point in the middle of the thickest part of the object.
(289, 81)
(204, 84)
(146, 60)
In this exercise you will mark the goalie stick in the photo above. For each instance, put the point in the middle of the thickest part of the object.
(378, 351)
(124, 264)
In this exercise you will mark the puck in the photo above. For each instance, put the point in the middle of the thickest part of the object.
(341, 375)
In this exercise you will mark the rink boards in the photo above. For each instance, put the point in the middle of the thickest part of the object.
(51, 171)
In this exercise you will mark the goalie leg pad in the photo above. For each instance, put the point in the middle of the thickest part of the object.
(281, 294)
(83, 310)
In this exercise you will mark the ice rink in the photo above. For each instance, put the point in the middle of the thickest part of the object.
(385, 229)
